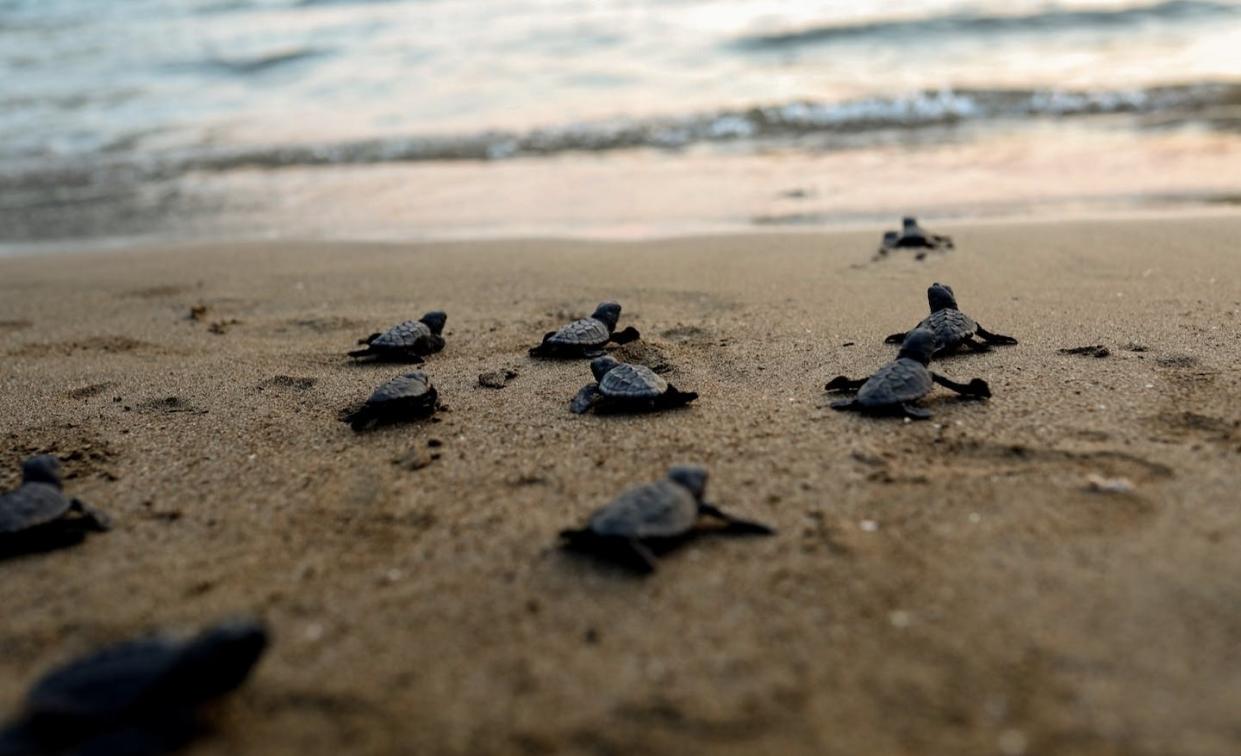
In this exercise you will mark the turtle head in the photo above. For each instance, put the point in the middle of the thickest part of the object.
(435, 320)
(941, 297)
(692, 477)
(909, 223)
(221, 657)
(601, 365)
(608, 313)
(42, 469)
(919, 345)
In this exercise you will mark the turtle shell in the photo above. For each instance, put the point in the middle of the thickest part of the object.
(148, 674)
(411, 387)
(106, 684)
(950, 327)
(31, 505)
(902, 380)
(632, 382)
(586, 332)
(402, 336)
(654, 510)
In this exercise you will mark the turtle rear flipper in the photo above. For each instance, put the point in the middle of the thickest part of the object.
(370, 338)
(545, 348)
(91, 517)
(626, 336)
(734, 525)
(994, 338)
(975, 345)
(362, 419)
(358, 354)
(842, 383)
(626, 552)
(845, 405)
(914, 412)
(21, 739)
(674, 397)
(586, 398)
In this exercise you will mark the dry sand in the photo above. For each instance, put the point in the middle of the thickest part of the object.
(941, 587)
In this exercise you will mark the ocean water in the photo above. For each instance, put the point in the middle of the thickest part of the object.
(415, 118)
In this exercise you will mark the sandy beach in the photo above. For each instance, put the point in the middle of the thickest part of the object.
(952, 586)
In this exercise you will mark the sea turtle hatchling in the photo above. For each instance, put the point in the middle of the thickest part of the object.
(894, 388)
(405, 342)
(622, 387)
(586, 337)
(953, 329)
(653, 518)
(406, 397)
(135, 697)
(913, 236)
(37, 516)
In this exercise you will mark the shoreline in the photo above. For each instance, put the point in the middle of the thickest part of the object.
(951, 586)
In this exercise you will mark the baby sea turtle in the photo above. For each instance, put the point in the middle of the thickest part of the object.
(654, 518)
(913, 236)
(37, 516)
(895, 386)
(586, 337)
(405, 342)
(622, 387)
(406, 397)
(952, 328)
(135, 697)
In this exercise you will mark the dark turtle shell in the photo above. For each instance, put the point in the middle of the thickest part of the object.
(31, 505)
(950, 326)
(411, 387)
(407, 335)
(632, 382)
(587, 332)
(656, 510)
(139, 677)
(899, 381)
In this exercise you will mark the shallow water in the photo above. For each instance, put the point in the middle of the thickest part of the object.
(131, 117)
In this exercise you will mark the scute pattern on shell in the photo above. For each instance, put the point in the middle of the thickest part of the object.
(402, 336)
(950, 327)
(902, 380)
(401, 388)
(106, 681)
(32, 504)
(658, 509)
(637, 381)
(584, 332)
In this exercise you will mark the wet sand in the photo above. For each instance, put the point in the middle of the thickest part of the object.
(952, 586)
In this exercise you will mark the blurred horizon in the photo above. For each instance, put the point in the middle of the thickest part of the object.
(186, 119)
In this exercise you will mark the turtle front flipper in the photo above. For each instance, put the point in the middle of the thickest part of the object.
(626, 336)
(977, 388)
(94, 518)
(845, 405)
(358, 354)
(841, 383)
(433, 343)
(895, 338)
(369, 339)
(914, 412)
(586, 398)
(975, 345)
(993, 338)
(735, 525)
